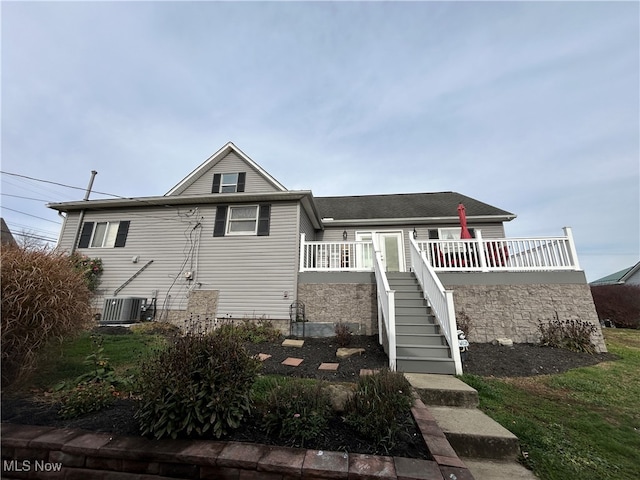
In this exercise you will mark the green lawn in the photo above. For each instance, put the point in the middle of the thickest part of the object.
(65, 362)
(583, 424)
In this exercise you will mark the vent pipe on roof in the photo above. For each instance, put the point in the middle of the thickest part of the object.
(93, 175)
(81, 217)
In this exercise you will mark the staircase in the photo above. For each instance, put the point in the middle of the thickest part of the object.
(420, 346)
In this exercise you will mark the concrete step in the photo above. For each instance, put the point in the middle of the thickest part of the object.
(425, 365)
(473, 434)
(426, 351)
(443, 390)
(487, 469)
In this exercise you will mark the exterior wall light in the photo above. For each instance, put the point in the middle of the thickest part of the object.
(415, 233)
(344, 235)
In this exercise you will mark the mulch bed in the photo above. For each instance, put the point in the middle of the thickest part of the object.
(484, 359)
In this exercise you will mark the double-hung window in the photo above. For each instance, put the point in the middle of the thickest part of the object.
(228, 182)
(242, 220)
(103, 234)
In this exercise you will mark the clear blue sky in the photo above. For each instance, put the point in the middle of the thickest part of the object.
(531, 107)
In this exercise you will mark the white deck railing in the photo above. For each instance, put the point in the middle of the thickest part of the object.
(502, 254)
(336, 256)
(476, 254)
(386, 310)
(440, 300)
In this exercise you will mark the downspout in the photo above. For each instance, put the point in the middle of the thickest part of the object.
(81, 217)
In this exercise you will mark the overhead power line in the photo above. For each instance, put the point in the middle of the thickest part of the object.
(36, 237)
(29, 215)
(26, 198)
(60, 184)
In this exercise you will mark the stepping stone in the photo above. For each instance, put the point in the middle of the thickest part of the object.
(293, 343)
(329, 366)
(347, 352)
(293, 362)
(263, 356)
(365, 371)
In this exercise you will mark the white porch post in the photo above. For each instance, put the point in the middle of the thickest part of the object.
(302, 249)
(572, 247)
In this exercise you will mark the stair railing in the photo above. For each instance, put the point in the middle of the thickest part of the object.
(386, 308)
(440, 300)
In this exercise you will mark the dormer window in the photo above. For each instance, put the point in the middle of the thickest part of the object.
(228, 182)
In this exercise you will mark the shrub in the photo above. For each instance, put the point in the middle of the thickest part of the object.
(87, 397)
(618, 303)
(464, 322)
(43, 298)
(90, 269)
(574, 335)
(250, 331)
(296, 409)
(343, 334)
(200, 385)
(156, 328)
(379, 409)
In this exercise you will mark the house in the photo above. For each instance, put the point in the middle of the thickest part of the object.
(7, 237)
(230, 241)
(628, 276)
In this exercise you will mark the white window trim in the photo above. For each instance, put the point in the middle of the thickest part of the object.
(245, 233)
(234, 185)
(106, 235)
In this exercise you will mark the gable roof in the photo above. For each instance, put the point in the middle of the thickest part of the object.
(619, 277)
(215, 158)
(440, 207)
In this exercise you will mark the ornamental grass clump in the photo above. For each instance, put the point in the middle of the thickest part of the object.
(380, 408)
(574, 334)
(43, 298)
(296, 410)
(199, 386)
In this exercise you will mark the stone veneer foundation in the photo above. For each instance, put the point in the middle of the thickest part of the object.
(46, 452)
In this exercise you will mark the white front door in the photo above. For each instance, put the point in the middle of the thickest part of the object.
(391, 247)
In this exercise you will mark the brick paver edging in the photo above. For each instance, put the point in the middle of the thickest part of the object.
(49, 453)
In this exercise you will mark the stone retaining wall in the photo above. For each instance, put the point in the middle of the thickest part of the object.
(514, 311)
(49, 453)
(353, 303)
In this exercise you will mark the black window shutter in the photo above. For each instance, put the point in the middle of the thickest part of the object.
(121, 236)
(85, 236)
(472, 231)
(242, 177)
(216, 183)
(433, 235)
(264, 220)
(221, 221)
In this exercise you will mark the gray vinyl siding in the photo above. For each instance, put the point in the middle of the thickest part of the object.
(231, 163)
(306, 226)
(251, 273)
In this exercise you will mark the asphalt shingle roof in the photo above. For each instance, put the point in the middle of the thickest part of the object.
(406, 205)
